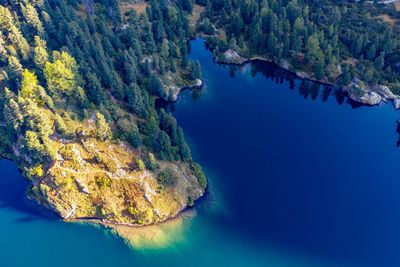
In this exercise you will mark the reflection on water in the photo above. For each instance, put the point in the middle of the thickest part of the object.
(13, 189)
(305, 88)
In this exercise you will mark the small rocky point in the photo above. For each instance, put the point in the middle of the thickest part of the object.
(371, 95)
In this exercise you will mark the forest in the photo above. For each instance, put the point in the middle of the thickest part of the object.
(75, 71)
(334, 41)
(83, 57)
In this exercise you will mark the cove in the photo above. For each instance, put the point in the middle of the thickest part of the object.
(299, 176)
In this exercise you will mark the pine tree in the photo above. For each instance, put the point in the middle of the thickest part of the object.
(103, 131)
(40, 53)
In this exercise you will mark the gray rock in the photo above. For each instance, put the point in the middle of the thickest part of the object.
(199, 83)
(82, 187)
(371, 98)
(384, 91)
(231, 56)
(360, 93)
(396, 103)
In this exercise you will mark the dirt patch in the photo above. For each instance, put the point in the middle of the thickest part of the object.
(138, 6)
(196, 14)
(350, 61)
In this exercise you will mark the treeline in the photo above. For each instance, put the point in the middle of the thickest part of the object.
(66, 62)
(333, 40)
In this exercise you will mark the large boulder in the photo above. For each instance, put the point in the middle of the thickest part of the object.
(231, 56)
(371, 98)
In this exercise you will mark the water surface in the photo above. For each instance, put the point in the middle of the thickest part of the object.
(299, 176)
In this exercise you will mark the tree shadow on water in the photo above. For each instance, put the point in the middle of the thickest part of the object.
(13, 194)
(398, 132)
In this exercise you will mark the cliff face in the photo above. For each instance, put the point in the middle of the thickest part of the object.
(104, 180)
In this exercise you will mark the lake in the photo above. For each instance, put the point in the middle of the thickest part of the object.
(299, 176)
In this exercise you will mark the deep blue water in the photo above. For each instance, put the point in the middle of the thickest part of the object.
(299, 176)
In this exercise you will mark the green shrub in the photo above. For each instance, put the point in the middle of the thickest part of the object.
(151, 162)
(140, 164)
(103, 181)
(167, 178)
(198, 172)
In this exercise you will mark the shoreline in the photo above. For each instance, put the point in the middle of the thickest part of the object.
(158, 235)
(357, 91)
(369, 98)
(100, 221)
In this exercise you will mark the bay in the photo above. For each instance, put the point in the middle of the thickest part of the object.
(299, 176)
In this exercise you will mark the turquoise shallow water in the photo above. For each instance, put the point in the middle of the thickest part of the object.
(299, 176)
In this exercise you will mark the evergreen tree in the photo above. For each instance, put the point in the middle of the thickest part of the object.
(103, 131)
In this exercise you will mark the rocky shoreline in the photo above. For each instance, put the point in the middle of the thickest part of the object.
(357, 90)
(174, 91)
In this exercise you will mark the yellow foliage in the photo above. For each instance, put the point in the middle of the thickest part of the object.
(60, 75)
(35, 171)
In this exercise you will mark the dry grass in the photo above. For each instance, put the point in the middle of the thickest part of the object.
(350, 61)
(98, 179)
(387, 19)
(221, 34)
(196, 14)
(82, 12)
(397, 5)
(127, 5)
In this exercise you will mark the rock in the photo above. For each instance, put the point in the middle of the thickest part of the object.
(231, 56)
(59, 157)
(82, 187)
(369, 95)
(302, 74)
(358, 92)
(371, 98)
(384, 91)
(173, 92)
(396, 103)
(357, 81)
(70, 213)
(199, 83)
(121, 173)
(285, 65)
(339, 70)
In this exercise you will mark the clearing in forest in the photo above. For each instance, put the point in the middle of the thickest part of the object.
(127, 5)
(388, 19)
(196, 14)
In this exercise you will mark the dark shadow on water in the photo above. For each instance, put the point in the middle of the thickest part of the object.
(306, 88)
(398, 133)
(13, 194)
(196, 93)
